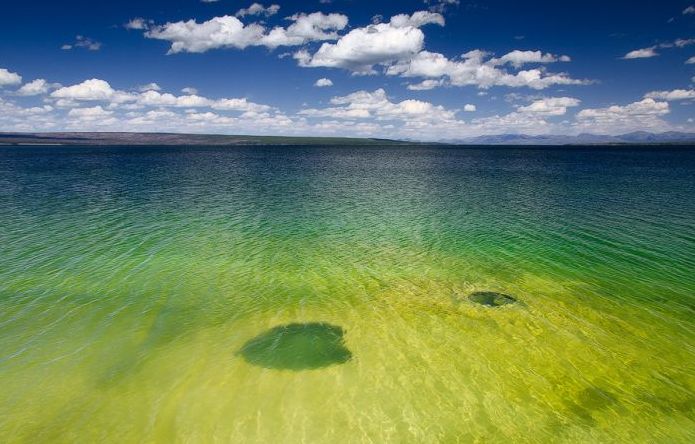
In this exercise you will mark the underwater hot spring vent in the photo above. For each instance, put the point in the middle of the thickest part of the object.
(297, 347)
(491, 298)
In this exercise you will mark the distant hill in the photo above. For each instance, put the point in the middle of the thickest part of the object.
(172, 139)
(638, 137)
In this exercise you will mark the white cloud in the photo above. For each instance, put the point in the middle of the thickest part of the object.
(376, 105)
(83, 42)
(230, 32)
(93, 113)
(156, 98)
(8, 78)
(417, 19)
(258, 9)
(218, 32)
(512, 123)
(34, 88)
(676, 94)
(679, 43)
(316, 26)
(323, 82)
(519, 58)
(90, 90)
(95, 117)
(644, 115)
(149, 87)
(100, 90)
(362, 48)
(550, 106)
(239, 105)
(138, 23)
(396, 47)
(531, 119)
(643, 53)
(189, 90)
(474, 70)
(94, 104)
(646, 106)
(441, 5)
(426, 85)
(649, 52)
(689, 10)
(690, 61)
(167, 112)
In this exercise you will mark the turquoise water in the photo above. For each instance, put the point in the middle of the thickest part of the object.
(328, 294)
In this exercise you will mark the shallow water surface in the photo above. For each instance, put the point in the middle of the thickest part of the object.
(336, 294)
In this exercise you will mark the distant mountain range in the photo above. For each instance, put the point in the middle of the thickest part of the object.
(638, 137)
(172, 139)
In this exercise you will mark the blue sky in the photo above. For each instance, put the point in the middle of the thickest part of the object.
(428, 70)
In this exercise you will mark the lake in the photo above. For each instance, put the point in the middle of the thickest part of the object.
(339, 294)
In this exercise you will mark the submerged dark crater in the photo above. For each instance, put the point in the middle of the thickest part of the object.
(297, 347)
(491, 298)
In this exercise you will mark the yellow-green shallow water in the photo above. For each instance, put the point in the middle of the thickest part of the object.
(144, 294)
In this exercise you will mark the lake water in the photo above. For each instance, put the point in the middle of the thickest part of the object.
(337, 294)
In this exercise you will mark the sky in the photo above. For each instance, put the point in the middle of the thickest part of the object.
(409, 69)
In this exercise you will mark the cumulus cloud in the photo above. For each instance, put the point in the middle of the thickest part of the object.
(97, 90)
(643, 115)
(34, 88)
(95, 117)
(95, 104)
(189, 90)
(149, 87)
(239, 105)
(426, 85)
(690, 61)
(511, 123)
(689, 10)
(90, 90)
(218, 32)
(313, 27)
(476, 69)
(676, 94)
(519, 58)
(533, 119)
(229, 32)
(258, 9)
(96, 112)
(362, 48)
(8, 78)
(645, 107)
(469, 108)
(550, 106)
(323, 82)
(417, 19)
(376, 105)
(396, 47)
(156, 98)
